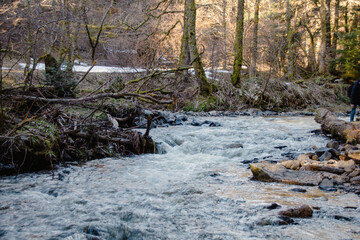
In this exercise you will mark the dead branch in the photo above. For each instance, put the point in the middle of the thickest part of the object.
(85, 99)
(158, 73)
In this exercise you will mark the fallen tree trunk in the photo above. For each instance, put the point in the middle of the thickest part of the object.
(339, 129)
(86, 99)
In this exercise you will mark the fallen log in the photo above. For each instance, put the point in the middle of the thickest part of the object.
(339, 129)
(80, 100)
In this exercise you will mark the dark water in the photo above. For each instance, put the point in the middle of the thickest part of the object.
(199, 189)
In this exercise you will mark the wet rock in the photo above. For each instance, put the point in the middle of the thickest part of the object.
(304, 211)
(354, 173)
(91, 230)
(327, 185)
(255, 160)
(289, 155)
(61, 177)
(214, 174)
(176, 122)
(214, 124)
(325, 156)
(182, 117)
(2, 233)
(343, 218)
(301, 190)
(234, 145)
(196, 123)
(273, 206)
(355, 180)
(275, 221)
(333, 144)
(316, 131)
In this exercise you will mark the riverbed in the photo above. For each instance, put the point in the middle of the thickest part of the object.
(198, 187)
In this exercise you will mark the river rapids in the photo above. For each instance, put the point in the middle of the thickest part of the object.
(198, 187)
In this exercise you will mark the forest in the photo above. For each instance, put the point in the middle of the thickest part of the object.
(203, 55)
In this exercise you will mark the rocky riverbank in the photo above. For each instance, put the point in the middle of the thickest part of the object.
(331, 168)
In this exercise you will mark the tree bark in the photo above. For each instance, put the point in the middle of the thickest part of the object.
(325, 35)
(255, 40)
(189, 53)
(238, 46)
(332, 66)
(224, 34)
(290, 55)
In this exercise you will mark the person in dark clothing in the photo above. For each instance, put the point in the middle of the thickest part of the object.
(354, 94)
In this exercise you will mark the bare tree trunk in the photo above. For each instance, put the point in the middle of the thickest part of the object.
(1, 88)
(290, 41)
(238, 46)
(189, 53)
(332, 67)
(255, 40)
(346, 18)
(325, 35)
(184, 60)
(312, 51)
(195, 57)
(224, 34)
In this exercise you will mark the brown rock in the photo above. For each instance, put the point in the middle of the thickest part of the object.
(304, 211)
(355, 155)
(303, 157)
(267, 172)
(315, 157)
(346, 164)
(342, 157)
(291, 164)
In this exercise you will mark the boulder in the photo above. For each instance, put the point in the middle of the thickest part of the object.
(325, 156)
(267, 172)
(355, 155)
(354, 173)
(291, 164)
(303, 157)
(346, 164)
(333, 144)
(304, 211)
(355, 180)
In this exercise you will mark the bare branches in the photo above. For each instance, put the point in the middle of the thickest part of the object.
(95, 43)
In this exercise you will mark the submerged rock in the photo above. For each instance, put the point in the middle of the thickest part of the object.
(304, 211)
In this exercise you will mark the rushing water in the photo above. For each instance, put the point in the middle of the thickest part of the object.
(199, 189)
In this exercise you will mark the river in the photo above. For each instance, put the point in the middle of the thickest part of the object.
(200, 187)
